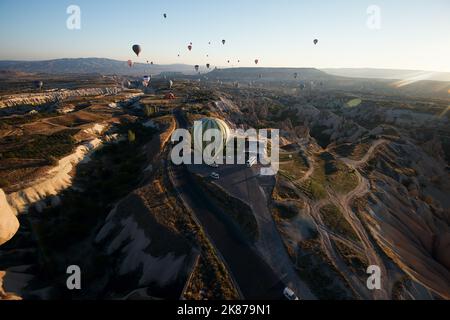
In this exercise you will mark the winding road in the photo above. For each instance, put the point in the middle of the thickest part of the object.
(343, 202)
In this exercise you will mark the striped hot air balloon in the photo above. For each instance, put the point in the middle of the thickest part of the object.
(205, 124)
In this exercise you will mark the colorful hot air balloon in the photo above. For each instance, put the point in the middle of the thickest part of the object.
(137, 49)
(130, 63)
(202, 126)
(316, 41)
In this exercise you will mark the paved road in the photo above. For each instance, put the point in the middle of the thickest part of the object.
(245, 184)
(256, 280)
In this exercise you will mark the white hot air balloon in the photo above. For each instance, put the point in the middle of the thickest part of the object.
(201, 128)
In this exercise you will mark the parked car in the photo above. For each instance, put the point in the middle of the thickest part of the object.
(215, 176)
(252, 161)
(290, 294)
(213, 165)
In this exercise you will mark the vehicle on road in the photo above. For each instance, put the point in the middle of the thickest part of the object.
(213, 165)
(252, 161)
(215, 176)
(290, 294)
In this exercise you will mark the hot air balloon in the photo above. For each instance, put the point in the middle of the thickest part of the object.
(196, 67)
(151, 63)
(178, 55)
(130, 63)
(208, 65)
(209, 42)
(228, 61)
(165, 15)
(190, 47)
(316, 41)
(205, 124)
(256, 61)
(38, 84)
(137, 49)
(296, 75)
(223, 42)
(239, 61)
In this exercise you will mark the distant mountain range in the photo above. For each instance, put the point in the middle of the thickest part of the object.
(91, 65)
(390, 74)
(268, 74)
(109, 66)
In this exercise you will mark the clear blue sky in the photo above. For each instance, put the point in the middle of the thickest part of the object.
(414, 34)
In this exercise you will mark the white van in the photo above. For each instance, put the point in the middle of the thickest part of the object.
(213, 165)
(252, 161)
(290, 294)
(215, 176)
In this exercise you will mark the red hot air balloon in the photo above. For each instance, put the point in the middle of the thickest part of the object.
(137, 49)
